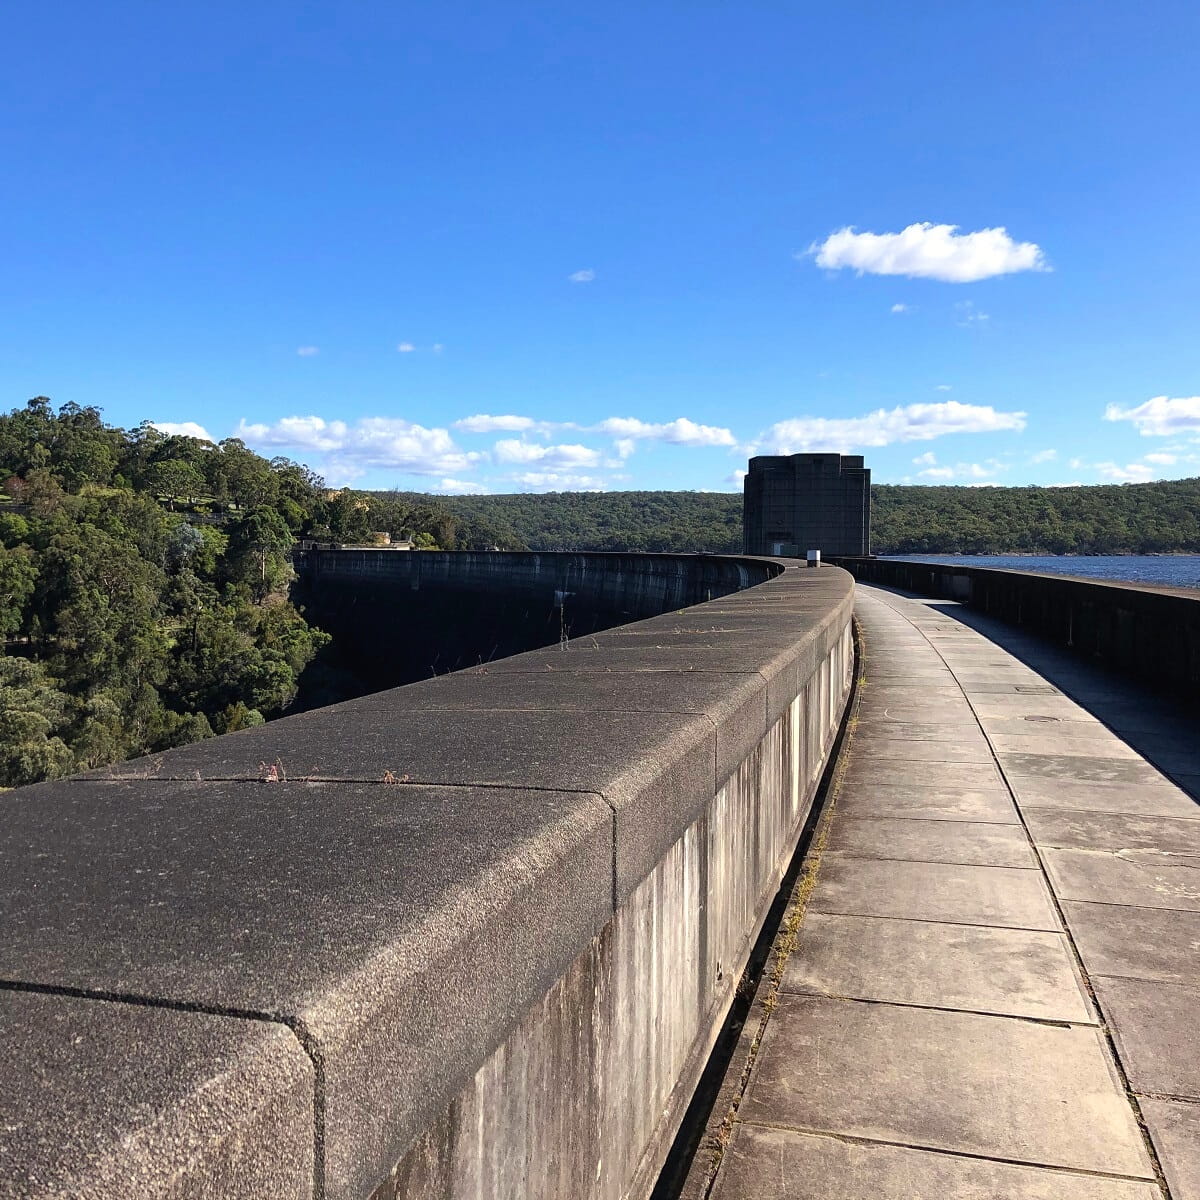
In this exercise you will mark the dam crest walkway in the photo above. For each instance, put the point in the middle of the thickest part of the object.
(994, 991)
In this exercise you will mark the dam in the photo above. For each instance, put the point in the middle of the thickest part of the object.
(479, 935)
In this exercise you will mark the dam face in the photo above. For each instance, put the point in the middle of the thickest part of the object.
(398, 617)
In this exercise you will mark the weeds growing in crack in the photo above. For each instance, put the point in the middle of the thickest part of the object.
(272, 772)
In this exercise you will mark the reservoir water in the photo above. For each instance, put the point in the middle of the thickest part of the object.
(1182, 570)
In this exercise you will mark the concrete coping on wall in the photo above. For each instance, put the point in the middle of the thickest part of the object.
(259, 965)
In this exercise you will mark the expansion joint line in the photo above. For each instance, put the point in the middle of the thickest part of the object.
(1069, 937)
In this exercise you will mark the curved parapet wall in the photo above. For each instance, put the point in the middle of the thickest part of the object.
(471, 937)
(1149, 632)
(398, 616)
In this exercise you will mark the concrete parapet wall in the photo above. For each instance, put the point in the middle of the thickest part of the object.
(1152, 633)
(471, 937)
(641, 585)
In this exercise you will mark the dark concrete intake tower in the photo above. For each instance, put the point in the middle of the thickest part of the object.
(800, 502)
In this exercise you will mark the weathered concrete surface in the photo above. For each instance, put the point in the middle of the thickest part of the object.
(344, 909)
(101, 1098)
(1016, 972)
(965, 843)
(936, 1005)
(958, 1082)
(780, 1164)
(1151, 633)
(504, 912)
(1175, 1130)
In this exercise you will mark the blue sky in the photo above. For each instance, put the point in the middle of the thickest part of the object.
(485, 247)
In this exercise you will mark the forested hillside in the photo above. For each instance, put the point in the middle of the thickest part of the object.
(1137, 518)
(144, 585)
(650, 521)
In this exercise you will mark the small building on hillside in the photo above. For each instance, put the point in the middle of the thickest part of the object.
(794, 503)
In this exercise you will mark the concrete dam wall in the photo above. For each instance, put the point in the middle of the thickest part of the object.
(398, 617)
(1150, 633)
(470, 937)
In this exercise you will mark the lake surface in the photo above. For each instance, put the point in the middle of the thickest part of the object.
(1181, 570)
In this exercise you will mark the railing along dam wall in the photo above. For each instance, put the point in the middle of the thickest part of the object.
(471, 937)
(1151, 633)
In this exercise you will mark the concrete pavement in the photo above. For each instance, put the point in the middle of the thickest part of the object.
(995, 990)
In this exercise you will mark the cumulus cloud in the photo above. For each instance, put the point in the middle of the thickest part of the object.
(680, 432)
(461, 487)
(1162, 459)
(405, 348)
(307, 351)
(1044, 456)
(737, 478)
(506, 423)
(943, 387)
(910, 423)
(183, 429)
(1133, 473)
(928, 459)
(584, 276)
(928, 251)
(558, 481)
(513, 450)
(900, 308)
(1163, 416)
(371, 442)
(962, 470)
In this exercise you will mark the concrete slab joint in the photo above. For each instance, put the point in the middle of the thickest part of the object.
(476, 936)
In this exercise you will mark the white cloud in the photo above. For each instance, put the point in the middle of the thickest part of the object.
(910, 423)
(371, 442)
(485, 423)
(624, 446)
(900, 308)
(928, 459)
(1044, 456)
(513, 450)
(738, 478)
(405, 348)
(943, 387)
(680, 432)
(307, 351)
(183, 429)
(460, 487)
(437, 347)
(1162, 416)
(1161, 459)
(928, 251)
(556, 481)
(585, 276)
(1075, 464)
(1133, 473)
(962, 470)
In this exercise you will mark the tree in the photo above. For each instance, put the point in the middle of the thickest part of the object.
(177, 479)
(33, 714)
(18, 578)
(258, 546)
